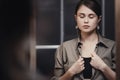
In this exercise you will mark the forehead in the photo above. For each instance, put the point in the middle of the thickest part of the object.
(85, 10)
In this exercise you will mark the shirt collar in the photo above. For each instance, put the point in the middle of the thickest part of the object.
(101, 41)
(79, 43)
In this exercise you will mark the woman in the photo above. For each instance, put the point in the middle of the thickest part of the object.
(70, 56)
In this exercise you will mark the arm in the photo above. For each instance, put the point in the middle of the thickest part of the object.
(77, 67)
(99, 64)
(67, 76)
(108, 72)
(60, 61)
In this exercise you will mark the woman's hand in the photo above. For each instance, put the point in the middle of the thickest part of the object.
(77, 67)
(97, 62)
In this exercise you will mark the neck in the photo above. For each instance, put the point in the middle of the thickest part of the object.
(89, 37)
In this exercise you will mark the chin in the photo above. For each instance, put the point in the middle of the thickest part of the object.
(87, 31)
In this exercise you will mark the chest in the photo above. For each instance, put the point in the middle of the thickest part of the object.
(73, 55)
(87, 49)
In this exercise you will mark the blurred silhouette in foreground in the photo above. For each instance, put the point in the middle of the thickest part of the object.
(14, 40)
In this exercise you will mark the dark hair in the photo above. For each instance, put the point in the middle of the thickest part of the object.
(91, 4)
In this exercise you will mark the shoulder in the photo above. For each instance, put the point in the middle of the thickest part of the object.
(109, 42)
(69, 44)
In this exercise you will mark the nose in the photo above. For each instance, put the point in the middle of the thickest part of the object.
(86, 20)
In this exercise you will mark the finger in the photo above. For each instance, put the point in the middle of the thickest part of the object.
(82, 67)
(93, 54)
(91, 63)
(82, 62)
(79, 56)
(81, 59)
(93, 57)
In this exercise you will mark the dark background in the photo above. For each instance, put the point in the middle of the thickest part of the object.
(48, 28)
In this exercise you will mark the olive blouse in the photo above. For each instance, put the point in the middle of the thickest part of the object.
(68, 53)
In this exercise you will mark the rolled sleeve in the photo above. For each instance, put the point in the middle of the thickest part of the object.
(60, 59)
(114, 57)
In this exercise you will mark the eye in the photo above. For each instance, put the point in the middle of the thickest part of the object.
(82, 15)
(91, 16)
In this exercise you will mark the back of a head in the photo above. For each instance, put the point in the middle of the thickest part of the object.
(14, 26)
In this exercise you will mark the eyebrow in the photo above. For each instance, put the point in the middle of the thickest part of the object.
(88, 14)
(92, 14)
(81, 13)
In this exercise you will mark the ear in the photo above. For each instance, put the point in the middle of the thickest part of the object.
(75, 16)
(99, 18)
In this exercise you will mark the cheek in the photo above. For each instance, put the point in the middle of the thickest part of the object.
(94, 22)
(80, 21)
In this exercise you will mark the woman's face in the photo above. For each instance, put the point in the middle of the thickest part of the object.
(86, 19)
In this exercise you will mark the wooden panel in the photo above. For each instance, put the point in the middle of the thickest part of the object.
(117, 18)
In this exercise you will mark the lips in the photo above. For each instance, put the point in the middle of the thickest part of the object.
(86, 26)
